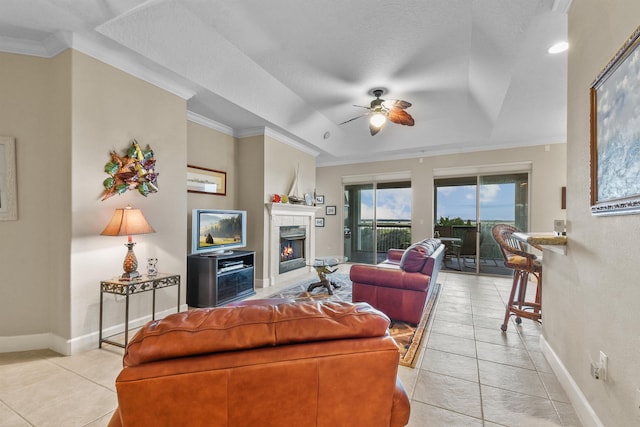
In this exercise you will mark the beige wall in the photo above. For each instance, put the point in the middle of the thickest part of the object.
(34, 255)
(67, 113)
(547, 178)
(209, 148)
(267, 166)
(590, 295)
(250, 164)
(109, 108)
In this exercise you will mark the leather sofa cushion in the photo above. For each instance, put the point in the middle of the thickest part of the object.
(416, 255)
(210, 330)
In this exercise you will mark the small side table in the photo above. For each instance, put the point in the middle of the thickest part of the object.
(323, 267)
(143, 283)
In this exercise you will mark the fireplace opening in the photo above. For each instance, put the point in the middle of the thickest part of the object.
(292, 243)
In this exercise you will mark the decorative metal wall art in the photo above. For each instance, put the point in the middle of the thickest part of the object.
(133, 171)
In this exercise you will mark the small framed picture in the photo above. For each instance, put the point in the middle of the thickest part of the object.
(319, 200)
(319, 222)
(331, 210)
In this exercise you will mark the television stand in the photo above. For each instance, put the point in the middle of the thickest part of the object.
(217, 279)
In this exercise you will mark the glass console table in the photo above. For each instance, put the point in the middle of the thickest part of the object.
(141, 284)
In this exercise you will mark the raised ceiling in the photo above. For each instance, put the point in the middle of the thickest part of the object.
(476, 71)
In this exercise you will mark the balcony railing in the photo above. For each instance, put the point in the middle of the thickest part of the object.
(388, 236)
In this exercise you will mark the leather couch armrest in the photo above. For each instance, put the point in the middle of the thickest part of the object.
(115, 421)
(395, 255)
(401, 407)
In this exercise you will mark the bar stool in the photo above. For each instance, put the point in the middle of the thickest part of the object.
(523, 264)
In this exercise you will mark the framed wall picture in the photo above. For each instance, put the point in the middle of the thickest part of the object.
(8, 187)
(206, 181)
(319, 200)
(319, 222)
(330, 210)
(615, 133)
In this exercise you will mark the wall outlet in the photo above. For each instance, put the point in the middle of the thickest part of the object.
(560, 227)
(604, 360)
(595, 371)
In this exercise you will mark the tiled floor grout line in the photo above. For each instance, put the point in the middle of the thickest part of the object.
(435, 315)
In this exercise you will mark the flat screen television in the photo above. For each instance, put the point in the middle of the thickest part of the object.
(215, 231)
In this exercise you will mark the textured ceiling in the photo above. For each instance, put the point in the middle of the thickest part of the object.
(476, 71)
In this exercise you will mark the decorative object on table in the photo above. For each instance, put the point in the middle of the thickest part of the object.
(308, 199)
(319, 200)
(615, 134)
(408, 336)
(330, 210)
(206, 181)
(324, 267)
(133, 171)
(152, 267)
(127, 222)
(276, 198)
(320, 222)
(8, 187)
(294, 192)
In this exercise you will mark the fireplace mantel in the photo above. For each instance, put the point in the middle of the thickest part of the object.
(291, 209)
(286, 214)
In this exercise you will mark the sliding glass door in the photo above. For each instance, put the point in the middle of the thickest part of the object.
(467, 208)
(377, 217)
(504, 199)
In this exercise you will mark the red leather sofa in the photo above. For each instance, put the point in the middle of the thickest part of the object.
(400, 285)
(306, 364)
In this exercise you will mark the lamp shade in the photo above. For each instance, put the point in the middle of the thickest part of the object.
(127, 222)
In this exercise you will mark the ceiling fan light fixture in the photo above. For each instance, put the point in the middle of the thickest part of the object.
(377, 119)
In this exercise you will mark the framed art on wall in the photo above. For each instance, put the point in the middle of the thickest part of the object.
(330, 210)
(615, 133)
(8, 187)
(319, 200)
(206, 181)
(319, 222)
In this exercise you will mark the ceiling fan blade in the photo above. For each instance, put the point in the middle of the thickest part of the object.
(350, 120)
(397, 103)
(374, 129)
(401, 117)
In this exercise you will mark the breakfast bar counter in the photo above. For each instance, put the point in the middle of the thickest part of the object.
(548, 241)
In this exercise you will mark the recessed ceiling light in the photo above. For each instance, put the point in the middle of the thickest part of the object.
(559, 47)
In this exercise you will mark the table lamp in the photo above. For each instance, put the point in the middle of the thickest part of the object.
(127, 222)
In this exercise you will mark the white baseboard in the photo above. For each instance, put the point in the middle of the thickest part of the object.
(26, 342)
(75, 345)
(583, 409)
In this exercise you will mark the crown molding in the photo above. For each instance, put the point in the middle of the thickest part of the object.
(211, 124)
(265, 131)
(561, 6)
(122, 61)
(23, 47)
(115, 57)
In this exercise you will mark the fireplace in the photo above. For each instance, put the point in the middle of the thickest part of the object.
(292, 248)
(288, 217)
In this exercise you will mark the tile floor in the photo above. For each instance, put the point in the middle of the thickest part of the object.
(469, 373)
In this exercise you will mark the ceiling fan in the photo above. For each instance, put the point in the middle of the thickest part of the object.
(381, 110)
